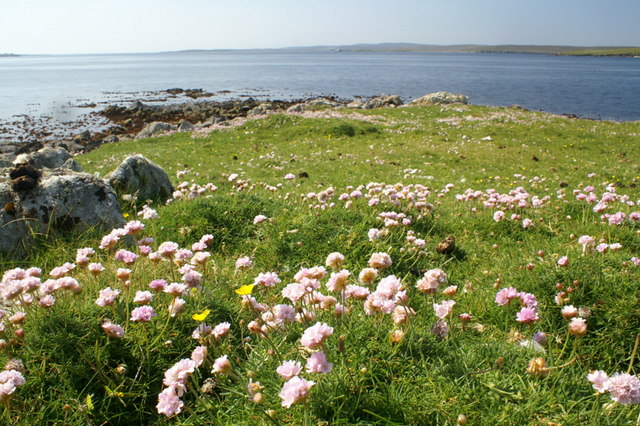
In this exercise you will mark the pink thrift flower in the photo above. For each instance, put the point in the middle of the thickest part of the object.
(563, 261)
(443, 309)
(176, 377)
(317, 363)
(158, 285)
(505, 295)
(267, 279)
(294, 391)
(243, 263)
(199, 355)
(113, 330)
(314, 336)
(289, 369)
(367, 275)
(126, 256)
(527, 315)
(527, 223)
(168, 249)
(107, 297)
(143, 297)
(200, 258)
(203, 331)
(498, 216)
(259, 219)
(47, 301)
(623, 388)
(569, 311)
(142, 314)
(356, 292)
(175, 289)
(134, 227)
(338, 280)
(289, 176)
(598, 380)
(176, 307)
(221, 330)
(380, 260)
(334, 260)
(221, 365)
(95, 268)
(440, 329)
(578, 326)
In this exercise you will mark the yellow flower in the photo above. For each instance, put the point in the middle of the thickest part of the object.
(245, 289)
(201, 316)
(126, 215)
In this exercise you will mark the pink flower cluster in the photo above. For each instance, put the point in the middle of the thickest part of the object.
(623, 388)
(529, 311)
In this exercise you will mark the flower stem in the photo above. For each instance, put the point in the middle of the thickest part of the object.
(633, 354)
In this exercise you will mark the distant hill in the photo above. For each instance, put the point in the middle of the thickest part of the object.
(466, 48)
(8, 55)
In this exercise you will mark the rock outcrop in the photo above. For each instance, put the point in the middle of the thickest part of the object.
(49, 158)
(155, 128)
(383, 101)
(139, 176)
(41, 201)
(440, 98)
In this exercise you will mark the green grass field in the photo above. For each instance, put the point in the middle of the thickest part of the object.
(286, 191)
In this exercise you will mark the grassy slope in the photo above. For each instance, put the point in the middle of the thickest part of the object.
(422, 380)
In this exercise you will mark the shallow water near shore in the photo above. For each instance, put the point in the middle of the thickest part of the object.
(64, 88)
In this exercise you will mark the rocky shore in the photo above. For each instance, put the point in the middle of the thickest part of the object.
(144, 119)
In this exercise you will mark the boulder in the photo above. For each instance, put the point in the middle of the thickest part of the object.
(154, 128)
(185, 126)
(383, 101)
(15, 234)
(71, 202)
(440, 98)
(322, 102)
(296, 109)
(355, 104)
(53, 200)
(137, 175)
(262, 109)
(50, 158)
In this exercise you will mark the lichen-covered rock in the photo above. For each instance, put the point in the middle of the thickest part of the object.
(49, 158)
(186, 126)
(137, 175)
(383, 101)
(440, 98)
(155, 128)
(15, 234)
(71, 202)
(53, 200)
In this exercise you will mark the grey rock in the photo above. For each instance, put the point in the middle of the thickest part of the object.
(296, 109)
(262, 109)
(16, 237)
(355, 104)
(154, 128)
(322, 102)
(213, 120)
(440, 98)
(71, 202)
(383, 101)
(185, 126)
(49, 158)
(111, 139)
(139, 176)
(84, 136)
(60, 201)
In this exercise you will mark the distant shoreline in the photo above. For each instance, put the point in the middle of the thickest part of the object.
(594, 51)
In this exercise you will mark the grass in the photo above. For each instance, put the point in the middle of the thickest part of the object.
(75, 374)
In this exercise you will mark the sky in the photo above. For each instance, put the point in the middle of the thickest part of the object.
(122, 26)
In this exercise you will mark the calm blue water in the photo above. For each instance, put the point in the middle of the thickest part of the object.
(602, 88)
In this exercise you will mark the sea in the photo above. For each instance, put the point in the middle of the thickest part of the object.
(63, 88)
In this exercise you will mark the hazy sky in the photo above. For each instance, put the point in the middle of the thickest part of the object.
(100, 26)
